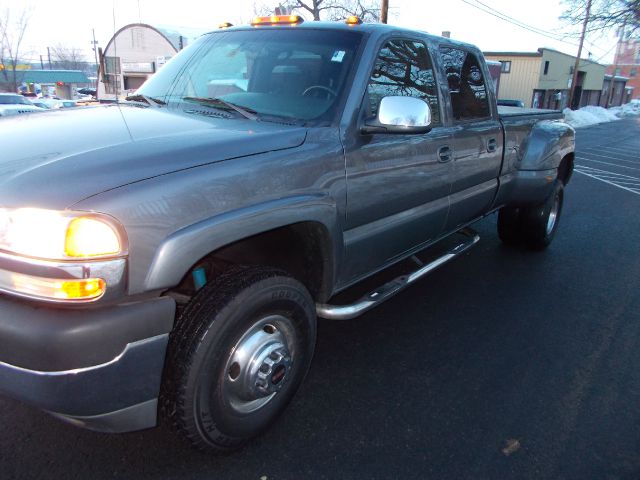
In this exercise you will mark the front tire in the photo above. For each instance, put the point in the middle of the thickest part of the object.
(237, 355)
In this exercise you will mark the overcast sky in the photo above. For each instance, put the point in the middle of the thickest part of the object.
(70, 23)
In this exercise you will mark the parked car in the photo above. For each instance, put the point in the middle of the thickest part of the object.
(510, 103)
(14, 104)
(167, 257)
(87, 91)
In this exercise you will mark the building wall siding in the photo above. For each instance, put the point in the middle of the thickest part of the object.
(520, 82)
(559, 73)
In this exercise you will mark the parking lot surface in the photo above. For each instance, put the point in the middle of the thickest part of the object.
(504, 364)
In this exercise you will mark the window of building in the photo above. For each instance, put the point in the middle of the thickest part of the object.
(111, 74)
(546, 67)
(469, 98)
(403, 68)
(506, 66)
(633, 72)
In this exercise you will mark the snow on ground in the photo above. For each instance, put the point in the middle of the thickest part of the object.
(593, 115)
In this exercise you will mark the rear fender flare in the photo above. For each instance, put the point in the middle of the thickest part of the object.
(547, 144)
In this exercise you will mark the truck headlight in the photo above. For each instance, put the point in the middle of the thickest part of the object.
(53, 235)
(60, 256)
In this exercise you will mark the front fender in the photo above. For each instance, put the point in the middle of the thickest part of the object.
(183, 248)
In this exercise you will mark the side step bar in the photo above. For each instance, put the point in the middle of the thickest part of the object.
(389, 289)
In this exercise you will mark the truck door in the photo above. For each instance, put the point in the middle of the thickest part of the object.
(477, 136)
(397, 185)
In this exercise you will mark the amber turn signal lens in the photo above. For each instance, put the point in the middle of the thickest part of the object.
(82, 289)
(86, 289)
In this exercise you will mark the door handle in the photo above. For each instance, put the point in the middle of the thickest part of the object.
(444, 154)
(492, 144)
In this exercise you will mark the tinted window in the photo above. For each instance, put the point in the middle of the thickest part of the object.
(403, 68)
(469, 99)
(298, 74)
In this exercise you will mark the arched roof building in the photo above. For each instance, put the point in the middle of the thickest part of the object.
(134, 53)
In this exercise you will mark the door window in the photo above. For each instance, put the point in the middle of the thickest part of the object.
(469, 98)
(403, 68)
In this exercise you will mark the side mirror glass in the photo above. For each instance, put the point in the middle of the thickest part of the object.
(401, 115)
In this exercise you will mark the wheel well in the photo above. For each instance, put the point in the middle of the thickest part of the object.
(565, 170)
(303, 250)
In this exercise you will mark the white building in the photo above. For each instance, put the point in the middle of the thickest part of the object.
(134, 53)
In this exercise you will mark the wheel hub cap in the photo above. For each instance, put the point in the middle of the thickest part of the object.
(259, 365)
(553, 215)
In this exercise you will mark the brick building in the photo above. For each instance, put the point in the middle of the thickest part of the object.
(627, 64)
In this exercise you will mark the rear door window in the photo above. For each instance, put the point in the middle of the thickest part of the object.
(467, 86)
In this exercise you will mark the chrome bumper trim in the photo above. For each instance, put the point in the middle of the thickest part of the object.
(111, 271)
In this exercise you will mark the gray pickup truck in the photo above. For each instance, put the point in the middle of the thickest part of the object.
(165, 259)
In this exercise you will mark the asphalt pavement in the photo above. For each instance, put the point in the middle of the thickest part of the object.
(504, 364)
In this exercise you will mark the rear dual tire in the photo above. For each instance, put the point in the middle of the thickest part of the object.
(533, 226)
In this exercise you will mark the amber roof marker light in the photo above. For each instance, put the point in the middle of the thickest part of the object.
(277, 20)
(353, 20)
(225, 25)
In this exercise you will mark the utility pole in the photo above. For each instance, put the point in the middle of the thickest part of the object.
(384, 11)
(94, 43)
(612, 82)
(41, 63)
(49, 57)
(577, 65)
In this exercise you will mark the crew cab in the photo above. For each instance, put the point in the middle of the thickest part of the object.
(166, 258)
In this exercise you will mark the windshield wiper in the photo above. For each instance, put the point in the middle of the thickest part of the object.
(139, 97)
(218, 102)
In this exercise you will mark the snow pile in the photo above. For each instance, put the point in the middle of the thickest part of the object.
(628, 110)
(589, 115)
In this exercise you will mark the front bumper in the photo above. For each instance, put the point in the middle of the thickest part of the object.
(100, 368)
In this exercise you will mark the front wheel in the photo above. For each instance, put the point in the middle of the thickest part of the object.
(238, 354)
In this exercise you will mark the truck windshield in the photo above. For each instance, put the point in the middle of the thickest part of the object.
(274, 73)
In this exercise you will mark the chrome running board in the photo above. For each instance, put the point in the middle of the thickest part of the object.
(389, 289)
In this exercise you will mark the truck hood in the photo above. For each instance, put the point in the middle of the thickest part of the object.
(57, 158)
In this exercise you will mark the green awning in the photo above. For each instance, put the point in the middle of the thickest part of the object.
(53, 76)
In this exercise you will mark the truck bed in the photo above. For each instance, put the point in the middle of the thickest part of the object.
(516, 113)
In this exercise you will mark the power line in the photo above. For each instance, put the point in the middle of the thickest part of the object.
(600, 57)
(495, 13)
(520, 23)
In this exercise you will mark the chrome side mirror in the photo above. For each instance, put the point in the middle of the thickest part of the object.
(401, 115)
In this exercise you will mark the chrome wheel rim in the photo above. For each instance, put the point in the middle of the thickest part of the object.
(553, 215)
(259, 365)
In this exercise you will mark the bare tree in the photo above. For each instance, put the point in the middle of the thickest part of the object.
(68, 58)
(367, 10)
(604, 15)
(12, 30)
